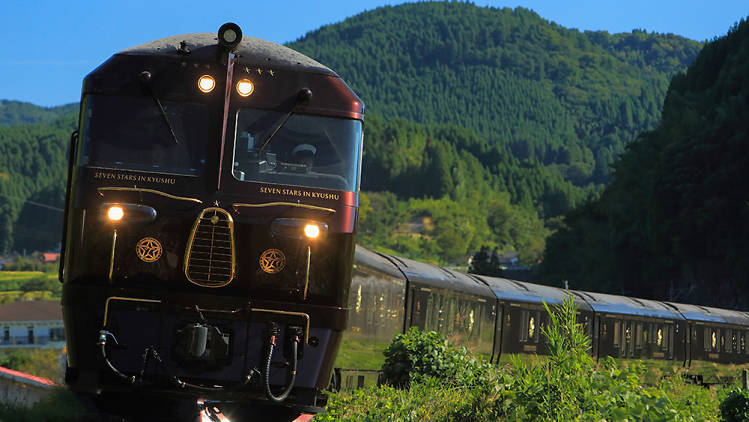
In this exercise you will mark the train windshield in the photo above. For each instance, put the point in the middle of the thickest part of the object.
(134, 134)
(297, 149)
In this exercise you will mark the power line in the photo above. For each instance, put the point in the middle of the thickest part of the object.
(38, 204)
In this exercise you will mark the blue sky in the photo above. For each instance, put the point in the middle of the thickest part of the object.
(49, 46)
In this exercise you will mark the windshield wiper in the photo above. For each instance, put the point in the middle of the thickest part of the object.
(302, 97)
(145, 78)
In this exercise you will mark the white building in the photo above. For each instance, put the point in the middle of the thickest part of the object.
(32, 324)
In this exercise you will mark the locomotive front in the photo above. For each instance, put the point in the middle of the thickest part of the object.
(210, 221)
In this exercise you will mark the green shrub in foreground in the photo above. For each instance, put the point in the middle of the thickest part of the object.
(423, 354)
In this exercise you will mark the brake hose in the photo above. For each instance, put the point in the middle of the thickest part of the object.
(290, 375)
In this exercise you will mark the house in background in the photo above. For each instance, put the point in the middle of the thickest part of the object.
(31, 324)
(50, 257)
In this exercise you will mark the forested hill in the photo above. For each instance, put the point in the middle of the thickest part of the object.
(16, 112)
(559, 96)
(674, 222)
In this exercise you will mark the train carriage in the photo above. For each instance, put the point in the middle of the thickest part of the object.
(522, 314)
(637, 328)
(457, 305)
(376, 314)
(715, 335)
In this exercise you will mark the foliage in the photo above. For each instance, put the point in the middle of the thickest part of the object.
(674, 222)
(33, 263)
(564, 386)
(59, 406)
(40, 362)
(33, 172)
(485, 262)
(735, 407)
(418, 355)
(564, 98)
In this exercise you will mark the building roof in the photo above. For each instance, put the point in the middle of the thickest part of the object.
(26, 378)
(31, 311)
(51, 256)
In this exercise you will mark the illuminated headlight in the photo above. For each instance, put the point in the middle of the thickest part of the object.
(206, 83)
(245, 87)
(312, 231)
(115, 213)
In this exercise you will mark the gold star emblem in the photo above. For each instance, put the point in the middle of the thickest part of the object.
(259, 71)
(148, 249)
(215, 203)
(271, 72)
(272, 261)
(247, 69)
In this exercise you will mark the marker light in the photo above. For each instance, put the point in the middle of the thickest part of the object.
(206, 83)
(312, 231)
(115, 213)
(245, 87)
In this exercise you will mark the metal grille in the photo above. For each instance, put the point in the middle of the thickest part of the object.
(209, 259)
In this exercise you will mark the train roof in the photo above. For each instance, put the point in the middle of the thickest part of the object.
(434, 276)
(624, 305)
(512, 290)
(708, 314)
(250, 52)
(377, 262)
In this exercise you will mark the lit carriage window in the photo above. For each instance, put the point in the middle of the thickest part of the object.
(659, 337)
(722, 342)
(532, 327)
(713, 340)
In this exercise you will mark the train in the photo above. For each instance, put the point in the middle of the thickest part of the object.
(209, 245)
(209, 227)
(494, 316)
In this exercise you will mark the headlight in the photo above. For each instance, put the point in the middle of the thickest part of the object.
(312, 231)
(115, 213)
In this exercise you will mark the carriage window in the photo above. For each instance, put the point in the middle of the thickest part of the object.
(524, 325)
(713, 340)
(303, 150)
(638, 335)
(616, 333)
(745, 340)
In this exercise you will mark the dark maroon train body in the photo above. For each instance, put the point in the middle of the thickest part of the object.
(210, 222)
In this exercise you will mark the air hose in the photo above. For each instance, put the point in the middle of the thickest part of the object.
(290, 374)
(151, 352)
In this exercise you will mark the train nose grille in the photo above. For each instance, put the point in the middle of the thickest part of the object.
(209, 259)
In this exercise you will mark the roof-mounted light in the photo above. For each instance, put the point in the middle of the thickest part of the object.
(229, 36)
(206, 83)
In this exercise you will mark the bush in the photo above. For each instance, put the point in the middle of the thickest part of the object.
(735, 407)
(417, 355)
